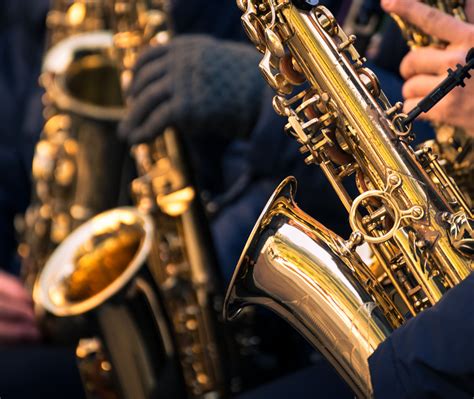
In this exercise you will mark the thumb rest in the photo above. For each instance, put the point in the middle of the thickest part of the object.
(410, 213)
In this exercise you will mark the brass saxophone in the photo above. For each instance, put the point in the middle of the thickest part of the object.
(67, 18)
(159, 253)
(182, 259)
(454, 147)
(416, 224)
(82, 105)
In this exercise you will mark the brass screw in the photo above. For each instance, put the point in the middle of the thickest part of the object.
(394, 180)
(417, 212)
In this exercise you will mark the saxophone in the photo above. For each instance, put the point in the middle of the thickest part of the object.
(70, 182)
(454, 147)
(149, 269)
(181, 260)
(416, 224)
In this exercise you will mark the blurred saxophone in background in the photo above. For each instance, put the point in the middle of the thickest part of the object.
(415, 220)
(144, 277)
(182, 260)
(454, 147)
(82, 105)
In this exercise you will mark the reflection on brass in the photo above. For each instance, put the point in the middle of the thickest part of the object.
(95, 369)
(100, 260)
(180, 260)
(94, 263)
(82, 105)
(409, 212)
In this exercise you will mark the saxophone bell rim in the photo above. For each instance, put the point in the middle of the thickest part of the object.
(61, 264)
(59, 59)
(232, 305)
(60, 56)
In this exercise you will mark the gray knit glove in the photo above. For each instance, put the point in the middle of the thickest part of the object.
(197, 84)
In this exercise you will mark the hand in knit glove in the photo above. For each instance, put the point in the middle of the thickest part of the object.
(197, 84)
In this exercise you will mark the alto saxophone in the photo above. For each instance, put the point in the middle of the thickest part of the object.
(421, 235)
(454, 147)
(82, 104)
(146, 275)
(182, 260)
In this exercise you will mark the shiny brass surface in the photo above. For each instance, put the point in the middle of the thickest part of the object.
(67, 18)
(82, 105)
(182, 258)
(95, 369)
(306, 274)
(421, 236)
(453, 146)
(101, 260)
(88, 268)
(181, 261)
(170, 263)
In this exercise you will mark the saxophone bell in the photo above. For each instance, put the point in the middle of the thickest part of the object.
(97, 280)
(70, 182)
(408, 210)
(94, 263)
(305, 273)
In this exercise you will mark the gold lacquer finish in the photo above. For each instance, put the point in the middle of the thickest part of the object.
(101, 260)
(454, 147)
(91, 281)
(80, 278)
(82, 104)
(161, 254)
(307, 274)
(67, 18)
(182, 259)
(421, 236)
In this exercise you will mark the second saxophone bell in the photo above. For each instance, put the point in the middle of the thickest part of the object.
(99, 277)
(95, 262)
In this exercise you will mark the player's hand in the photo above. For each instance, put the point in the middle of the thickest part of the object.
(424, 68)
(17, 319)
(197, 84)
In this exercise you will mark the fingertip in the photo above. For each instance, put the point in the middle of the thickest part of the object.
(387, 5)
(408, 105)
(405, 67)
(12, 288)
(406, 91)
(394, 6)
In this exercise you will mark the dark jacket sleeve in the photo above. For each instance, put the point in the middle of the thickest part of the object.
(218, 18)
(432, 355)
(24, 13)
(21, 46)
